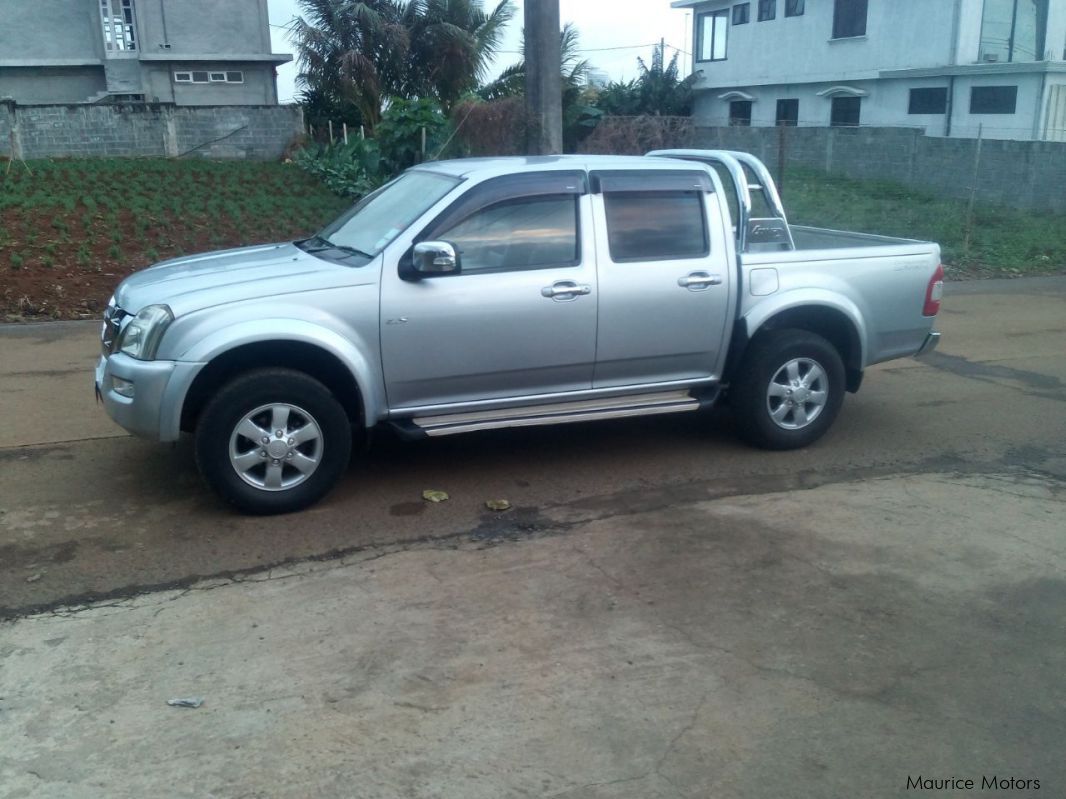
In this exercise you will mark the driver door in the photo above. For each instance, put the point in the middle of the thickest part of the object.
(519, 317)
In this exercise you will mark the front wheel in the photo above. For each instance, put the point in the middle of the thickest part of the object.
(273, 441)
(789, 391)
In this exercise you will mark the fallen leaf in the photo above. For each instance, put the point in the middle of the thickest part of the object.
(498, 504)
(432, 495)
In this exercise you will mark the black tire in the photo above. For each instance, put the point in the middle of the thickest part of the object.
(766, 359)
(307, 398)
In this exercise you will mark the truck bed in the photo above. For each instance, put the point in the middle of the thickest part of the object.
(813, 238)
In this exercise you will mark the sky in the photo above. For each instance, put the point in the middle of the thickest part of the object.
(613, 33)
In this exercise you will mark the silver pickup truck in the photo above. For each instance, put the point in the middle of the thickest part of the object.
(487, 293)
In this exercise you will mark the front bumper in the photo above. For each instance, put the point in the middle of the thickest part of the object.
(159, 387)
(931, 342)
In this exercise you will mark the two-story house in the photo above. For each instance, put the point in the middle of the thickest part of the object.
(187, 52)
(952, 67)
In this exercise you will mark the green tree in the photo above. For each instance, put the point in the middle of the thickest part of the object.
(658, 90)
(356, 54)
(352, 54)
(453, 43)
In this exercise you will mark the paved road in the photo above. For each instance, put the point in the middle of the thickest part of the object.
(86, 511)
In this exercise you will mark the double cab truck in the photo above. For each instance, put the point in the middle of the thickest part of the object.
(489, 293)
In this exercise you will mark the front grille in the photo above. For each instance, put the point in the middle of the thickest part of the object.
(113, 317)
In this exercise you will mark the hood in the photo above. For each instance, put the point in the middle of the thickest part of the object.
(215, 278)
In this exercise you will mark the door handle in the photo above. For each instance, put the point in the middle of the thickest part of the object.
(565, 290)
(698, 281)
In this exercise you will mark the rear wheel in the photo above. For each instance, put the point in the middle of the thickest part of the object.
(273, 441)
(790, 389)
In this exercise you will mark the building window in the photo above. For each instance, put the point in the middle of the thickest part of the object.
(849, 18)
(794, 8)
(711, 33)
(208, 77)
(1013, 30)
(740, 113)
(767, 10)
(928, 101)
(993, 99)
(788, 113)
(120, 31)
(742, 14)
(846, 111)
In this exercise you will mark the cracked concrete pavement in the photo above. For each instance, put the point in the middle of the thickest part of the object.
(665, 613)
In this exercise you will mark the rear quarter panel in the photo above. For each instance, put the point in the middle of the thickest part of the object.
(880, 288)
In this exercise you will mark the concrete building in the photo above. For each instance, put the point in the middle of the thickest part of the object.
(951, 67)
(186, 52)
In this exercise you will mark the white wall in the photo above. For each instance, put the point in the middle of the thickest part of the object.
(900, 34)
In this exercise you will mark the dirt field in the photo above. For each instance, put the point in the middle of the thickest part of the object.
(70, 230)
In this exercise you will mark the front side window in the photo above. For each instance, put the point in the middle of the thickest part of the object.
(655, 225)
(742, 14)
(524, 233)
(767, 10)
(993, 99)
(794, 8)
(120, 30)
(380, 217)
(849, 18)
(740, 113)
(846, 112)
(712, 31)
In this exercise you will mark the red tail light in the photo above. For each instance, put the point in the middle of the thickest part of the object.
(934, 293)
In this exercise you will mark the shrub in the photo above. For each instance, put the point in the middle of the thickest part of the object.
(350, 170)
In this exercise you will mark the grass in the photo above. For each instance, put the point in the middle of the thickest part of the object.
(71, 229)
(1004, 242)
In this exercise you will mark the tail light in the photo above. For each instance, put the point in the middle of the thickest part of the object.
(934, 292)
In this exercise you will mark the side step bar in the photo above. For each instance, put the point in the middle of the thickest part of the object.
(556, 413)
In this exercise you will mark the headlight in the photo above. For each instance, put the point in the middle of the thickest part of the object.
(140, 338)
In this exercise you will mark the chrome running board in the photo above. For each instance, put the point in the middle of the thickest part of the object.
(556, 413)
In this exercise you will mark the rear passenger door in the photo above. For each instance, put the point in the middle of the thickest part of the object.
(665, 275)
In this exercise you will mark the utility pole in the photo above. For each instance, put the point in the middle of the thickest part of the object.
(544, 83)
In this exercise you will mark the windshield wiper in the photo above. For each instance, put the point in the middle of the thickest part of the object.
(317, 244)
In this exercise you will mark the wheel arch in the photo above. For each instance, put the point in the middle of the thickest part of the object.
(838, 322)
(336, 363)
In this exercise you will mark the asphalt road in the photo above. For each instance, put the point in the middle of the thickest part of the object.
(88, 512)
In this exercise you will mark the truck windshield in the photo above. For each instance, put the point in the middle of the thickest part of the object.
(368, 227)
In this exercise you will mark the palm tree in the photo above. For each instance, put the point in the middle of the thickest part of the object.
(453, 43)
(359, 53)
(512, 81)
(662, 91)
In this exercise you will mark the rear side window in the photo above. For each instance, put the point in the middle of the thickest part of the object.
(656, 225)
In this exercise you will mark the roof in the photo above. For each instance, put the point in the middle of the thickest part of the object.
(482, 167)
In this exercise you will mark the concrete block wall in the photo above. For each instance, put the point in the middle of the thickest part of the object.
(1020, 174)
(48, 131)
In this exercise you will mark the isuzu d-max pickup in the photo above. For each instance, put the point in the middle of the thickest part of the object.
(489, 293)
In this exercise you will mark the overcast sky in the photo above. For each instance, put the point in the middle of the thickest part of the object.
(630, 24)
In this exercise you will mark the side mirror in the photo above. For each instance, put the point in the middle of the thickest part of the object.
(436, 258)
